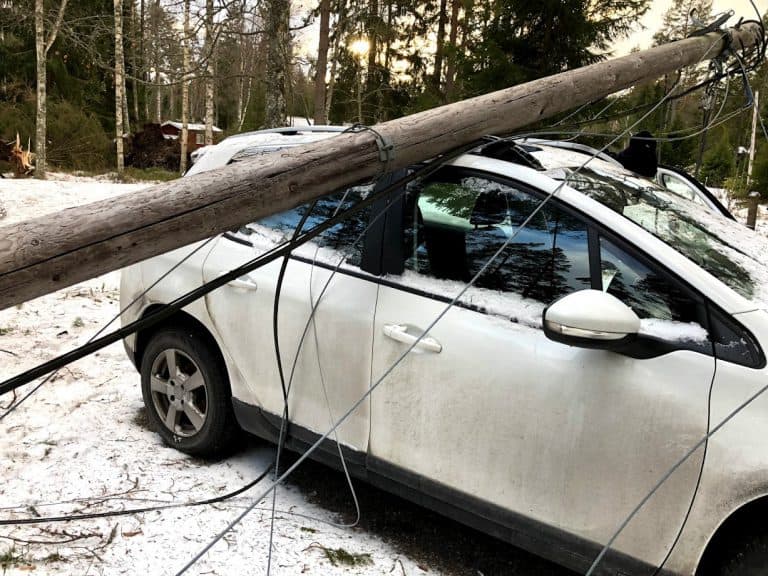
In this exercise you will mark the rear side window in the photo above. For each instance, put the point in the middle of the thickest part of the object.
(344, 237)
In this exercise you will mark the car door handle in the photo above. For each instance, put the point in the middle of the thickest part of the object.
(400, 333)
(244, 283)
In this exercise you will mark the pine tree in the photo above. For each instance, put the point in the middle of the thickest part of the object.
(678, 20)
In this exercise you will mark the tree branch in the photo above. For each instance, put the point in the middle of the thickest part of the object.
(56, 26)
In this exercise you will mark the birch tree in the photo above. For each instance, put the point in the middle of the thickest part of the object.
(245, 57)
(155, 13)
(120, 103)
(42, 47)
(210, 71)
(185, 90)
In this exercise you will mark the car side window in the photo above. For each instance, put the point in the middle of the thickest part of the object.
(456, 224)
(645, 291)
(343, 237)
(667, 311)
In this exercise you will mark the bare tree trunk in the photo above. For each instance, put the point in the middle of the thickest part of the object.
(136, 67)
(143, 57)
(40, 118)
(450, 70)
(278, 62)
(247, 103)
(437, 73)
(42, 47)
(241, 68)
(119, 85)
(372, 79)
(156, 40)
(185, 91)
(126, 113)
(210, 71)
(337, 36)
(381, 112)
(322, 62)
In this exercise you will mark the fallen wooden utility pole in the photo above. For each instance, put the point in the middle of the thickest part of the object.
(50, 252)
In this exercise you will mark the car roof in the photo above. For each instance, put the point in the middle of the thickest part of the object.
(260, 141)
(553, 158)
(531, 144)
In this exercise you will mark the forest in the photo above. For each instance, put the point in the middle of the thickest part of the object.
(77, 78)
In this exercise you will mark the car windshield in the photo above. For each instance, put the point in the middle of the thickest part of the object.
(727, 250)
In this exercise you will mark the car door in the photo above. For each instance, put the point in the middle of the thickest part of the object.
(335, 353)
(550, 446)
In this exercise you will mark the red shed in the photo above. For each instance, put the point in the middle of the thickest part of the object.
(196, 137)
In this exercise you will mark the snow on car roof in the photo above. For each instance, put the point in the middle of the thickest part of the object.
(553, 158)
(253, 143)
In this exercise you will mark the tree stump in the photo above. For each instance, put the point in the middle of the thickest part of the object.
(21, 159)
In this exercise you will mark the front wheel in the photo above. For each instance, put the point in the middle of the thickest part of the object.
(186, 393)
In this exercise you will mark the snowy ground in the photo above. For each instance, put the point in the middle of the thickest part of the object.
(81, 445)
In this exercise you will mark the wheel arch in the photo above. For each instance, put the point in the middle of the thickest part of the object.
(732, 530)
(179, 319)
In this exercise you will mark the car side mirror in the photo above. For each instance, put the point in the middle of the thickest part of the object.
(591, 319)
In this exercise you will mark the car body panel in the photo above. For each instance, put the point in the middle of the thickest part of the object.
(546, 445)
(536, 427)
(735, 471)
(242, 317)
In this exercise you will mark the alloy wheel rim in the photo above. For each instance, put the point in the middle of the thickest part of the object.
(179, 392)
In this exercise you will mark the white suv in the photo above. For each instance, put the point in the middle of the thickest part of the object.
(546, 433)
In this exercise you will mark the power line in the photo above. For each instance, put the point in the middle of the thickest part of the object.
(400, 358)
(131, 511)
(143, 293)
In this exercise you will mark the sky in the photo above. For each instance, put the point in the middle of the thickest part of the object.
(652, 20)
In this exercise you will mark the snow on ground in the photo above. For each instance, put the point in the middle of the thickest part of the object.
(80, 445)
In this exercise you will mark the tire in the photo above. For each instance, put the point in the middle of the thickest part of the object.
(186, 393)
(749, 557)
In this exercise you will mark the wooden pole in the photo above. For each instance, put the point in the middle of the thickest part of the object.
(755, 120)
(50, 252)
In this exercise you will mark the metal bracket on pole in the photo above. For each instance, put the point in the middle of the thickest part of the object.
(385, 145)
(713, 26)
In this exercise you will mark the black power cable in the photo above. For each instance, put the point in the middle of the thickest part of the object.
(15, 405)
(130, 511)
(170, 309)
(276, 309)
